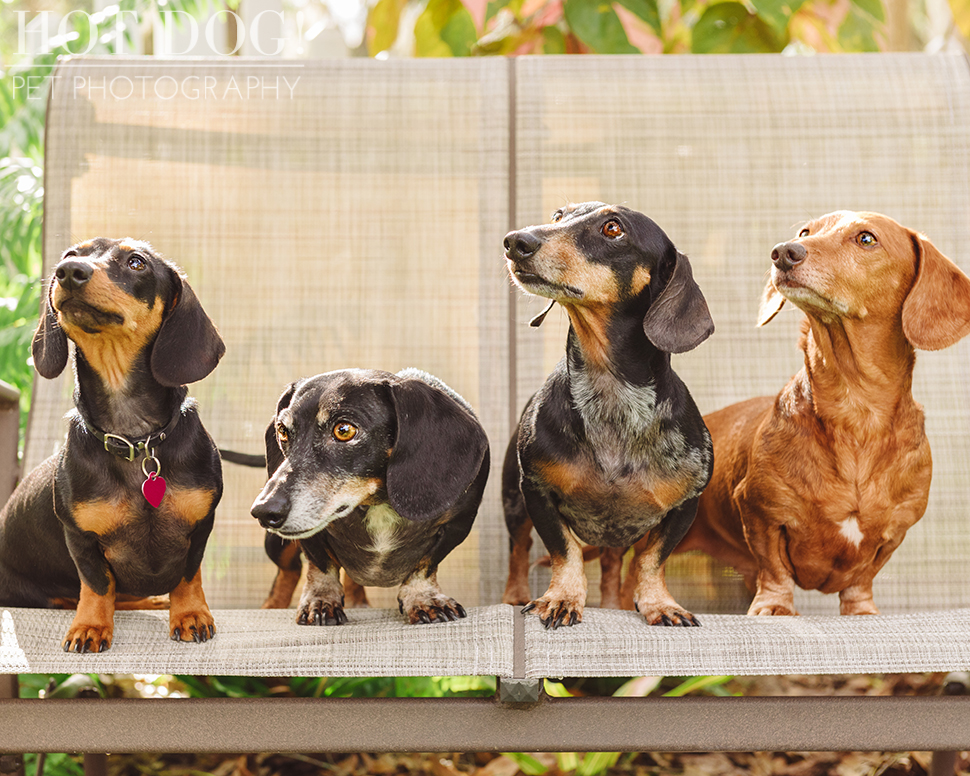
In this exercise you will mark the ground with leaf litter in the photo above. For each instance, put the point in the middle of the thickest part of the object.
(549, 764)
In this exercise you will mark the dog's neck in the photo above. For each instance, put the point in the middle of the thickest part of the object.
(134, 408)
(613, 369)
(860, 374)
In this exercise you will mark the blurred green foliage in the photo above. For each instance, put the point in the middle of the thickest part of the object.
(474, 27)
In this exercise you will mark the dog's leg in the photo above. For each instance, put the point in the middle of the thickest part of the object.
(650, 594)
(775, 594)
(322, 601)
(189, 618)
(421, 600)
(520, 530)
(520, 542)
(611, 566)
(857, 599)
(286, 556)
(93, 626)
(564, 600)
(355, 595)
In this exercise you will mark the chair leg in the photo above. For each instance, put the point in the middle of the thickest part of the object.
(95, 765)
(11, 764)
(945, 763)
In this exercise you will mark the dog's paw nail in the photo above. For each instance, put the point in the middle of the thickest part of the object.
(573, 618)
(461, 611)
(103, 646)
(528, 608)
(177, 634)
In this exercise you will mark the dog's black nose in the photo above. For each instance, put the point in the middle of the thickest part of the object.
(787, 255)
(521, 245)
(272, 510)
(71, 274)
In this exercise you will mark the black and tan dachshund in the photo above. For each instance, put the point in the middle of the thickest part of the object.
(381, 474)
(612, 448)
(124, 509)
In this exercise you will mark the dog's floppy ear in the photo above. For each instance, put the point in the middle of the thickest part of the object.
(678, 320)
(274, 456)
(188, 346)
(771, 303)
(49, 347)
(936, 313)
(437, 453)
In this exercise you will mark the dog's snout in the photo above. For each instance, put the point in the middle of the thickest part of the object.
(521, 245)
(271, 510)
(787, 255)
(72, 275)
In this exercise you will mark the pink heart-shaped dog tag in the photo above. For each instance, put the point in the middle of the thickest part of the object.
(153, 489)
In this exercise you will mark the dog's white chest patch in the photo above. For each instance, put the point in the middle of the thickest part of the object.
(382, 525)
(851, 531)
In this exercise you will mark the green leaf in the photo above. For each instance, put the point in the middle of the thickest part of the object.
(777, 12)
(383, 22)
(696, 683)
(553, 41)
(728, 28)
(857, 32)
(528, 764)
(596, 763)
(555, 689)
(444, 29)
(647, 10)
(596, 24)
(872, 8)
(494, 6)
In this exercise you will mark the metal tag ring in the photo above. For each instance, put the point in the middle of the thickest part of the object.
(144, 465)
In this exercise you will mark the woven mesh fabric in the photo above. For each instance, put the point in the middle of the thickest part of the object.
(729, 155)
(269, 643)
(612, 643)
(328, 215)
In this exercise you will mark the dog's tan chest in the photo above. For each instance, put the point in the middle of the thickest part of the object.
(847, 525)
(613, 511)
(182, 506)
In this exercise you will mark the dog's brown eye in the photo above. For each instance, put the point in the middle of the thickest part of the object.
(804, 233)
(866, 239)
(281, 433)
(344, 432)
(137, 262)
(557, 216)
(612, 229)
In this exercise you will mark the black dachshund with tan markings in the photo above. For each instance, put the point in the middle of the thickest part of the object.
(381, 474)
(124, 509)
(612, 448)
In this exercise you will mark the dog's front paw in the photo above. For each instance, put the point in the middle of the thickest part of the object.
(666, 615)
(87, 637)
(553, 611)
(768, 607)
(436, 607)
(316, 611)
(197, 626)
(516, 593)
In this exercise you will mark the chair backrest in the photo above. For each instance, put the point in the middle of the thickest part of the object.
(328, 214)
(351, 213)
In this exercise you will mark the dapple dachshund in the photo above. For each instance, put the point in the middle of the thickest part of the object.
(379, 474)
(125, 508)
(612, 448)
(817, 486)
